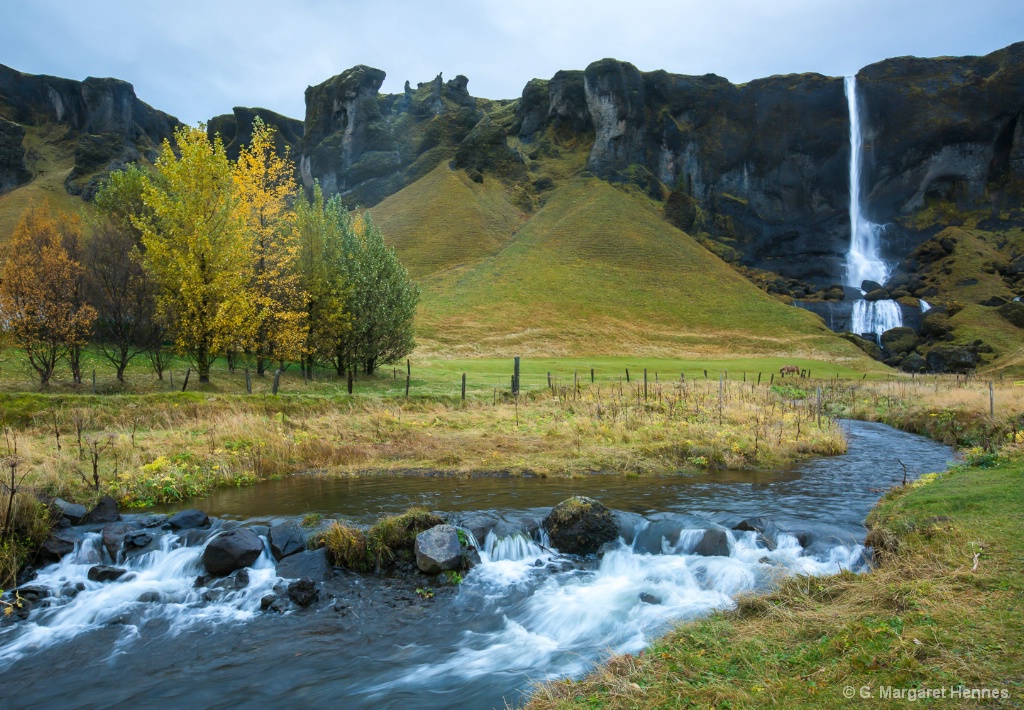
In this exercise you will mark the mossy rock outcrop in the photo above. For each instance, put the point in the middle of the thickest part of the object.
(1013, 312)
(580, 525)
(899, 340)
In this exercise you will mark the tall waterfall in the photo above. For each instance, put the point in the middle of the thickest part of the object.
(863, 260)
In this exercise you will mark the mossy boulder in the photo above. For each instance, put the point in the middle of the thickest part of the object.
(899, 340)
(1013, 312)
(870, 349)
(959, 359)
(879, 294)
(580, 525)
(935, 324)
(914, 363)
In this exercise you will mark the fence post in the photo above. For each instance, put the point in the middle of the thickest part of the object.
(463, 386)
(591, 375)
(627, 375)
(171, 373)
(408, 379)
(248, 382)
(187, 373)
(645, 384)
(515, 377)
(549, 381)
(991, 401)
(277, 381)
(705, 374)
(819, 407)
(351, 382)
(759, 378)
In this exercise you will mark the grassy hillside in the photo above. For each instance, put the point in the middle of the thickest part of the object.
(50, 160)
(596, 270)
(445, 219)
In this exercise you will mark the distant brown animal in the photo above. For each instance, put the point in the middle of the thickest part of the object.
(789, 370)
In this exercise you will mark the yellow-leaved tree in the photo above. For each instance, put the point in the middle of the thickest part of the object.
(264, 188)
(196, 250)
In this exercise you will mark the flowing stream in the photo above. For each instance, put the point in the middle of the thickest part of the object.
(526, 613)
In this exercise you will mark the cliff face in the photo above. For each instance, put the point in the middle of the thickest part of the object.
(948, 129)
(106, 124)
(760, 169)
(235, 130)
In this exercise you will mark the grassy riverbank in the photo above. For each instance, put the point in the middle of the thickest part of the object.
(927, 618)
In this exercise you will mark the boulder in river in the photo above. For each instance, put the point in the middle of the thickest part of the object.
(113, 537)
(312, 564)
(188, 519)
(59, 543)
(105, 573)
(74, 513)
(714, 543)
(105, 511)
(286, 539)
(438, 549)
(303, 592)
(231, 550)
(580, 525)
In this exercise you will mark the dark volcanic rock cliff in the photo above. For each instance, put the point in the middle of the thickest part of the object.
(235, 130)
(105, 121)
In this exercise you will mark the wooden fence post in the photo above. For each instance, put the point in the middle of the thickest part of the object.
(463, 386)
(645, 384)
(248, 382)
(515, 377)
(408, 380)
(627, 375)
(277, 381)
(991, 401)
(591, 375)
(187, 373)
(94, 381)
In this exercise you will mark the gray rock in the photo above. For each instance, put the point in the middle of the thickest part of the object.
(438, 549)
(231, 550)
(60, 543)
(188, 519)
(580, 525)
(312, 564)
(113, 537)
(75, 513)
(303, 592)
(286, 539)
(105, 573)
(105, 511)
(714, 543)
(647, 598)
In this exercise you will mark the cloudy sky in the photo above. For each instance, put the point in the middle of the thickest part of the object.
(199, 58)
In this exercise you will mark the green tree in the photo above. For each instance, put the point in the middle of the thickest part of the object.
(195, 249)
(382, 302)
(320, 228)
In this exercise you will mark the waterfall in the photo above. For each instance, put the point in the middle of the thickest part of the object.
(863, 260)
(925, 306)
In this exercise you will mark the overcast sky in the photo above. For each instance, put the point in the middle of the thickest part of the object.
(196, 59)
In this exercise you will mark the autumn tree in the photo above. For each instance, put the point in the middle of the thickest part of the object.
(264, 188)
(195, 249)
(41, 294)
(320, 229)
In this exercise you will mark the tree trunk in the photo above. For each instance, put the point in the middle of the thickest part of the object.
(261, 366)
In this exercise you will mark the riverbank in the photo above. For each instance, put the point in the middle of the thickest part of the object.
(943, 610)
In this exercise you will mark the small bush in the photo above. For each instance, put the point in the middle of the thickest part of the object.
(346, 547)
